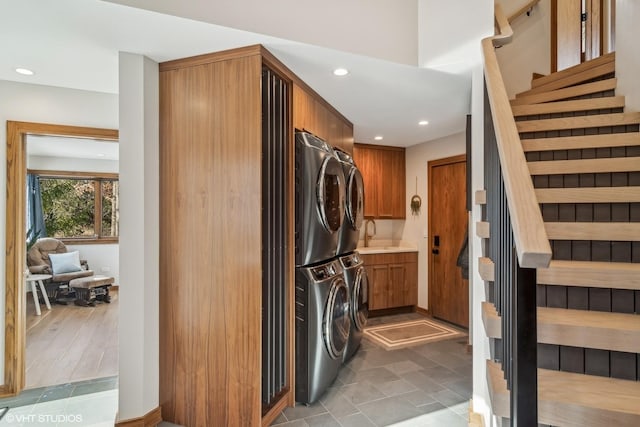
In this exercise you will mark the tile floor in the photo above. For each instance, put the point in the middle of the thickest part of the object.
(428, 385)
(83, 403)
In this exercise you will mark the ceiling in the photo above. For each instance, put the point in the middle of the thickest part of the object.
(75, 44)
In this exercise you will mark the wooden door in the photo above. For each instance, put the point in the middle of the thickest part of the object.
(448, 292)
(576, 32)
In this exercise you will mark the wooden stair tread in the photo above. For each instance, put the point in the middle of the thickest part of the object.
(491, 320)
(614, 275)
(576, 69)
(570, 399)
(579, 142)
(483, 229)
(570, 92)
(589, 195)
(589, 329)
(579, 122)
(555, 167)
(569, 106)
(582, 76)
(486, 269)
(614, 231)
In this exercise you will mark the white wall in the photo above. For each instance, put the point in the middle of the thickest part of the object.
(529, 51)
(377, 28)
(628, 52)
(449, 32)
(71, 164)
(416, 227)
(138, 343)
(45, 104)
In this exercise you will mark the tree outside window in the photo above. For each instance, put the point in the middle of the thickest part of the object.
(80, 207)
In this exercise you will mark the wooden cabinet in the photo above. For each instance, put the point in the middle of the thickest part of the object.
(212, 111)
(393, 279)
(383, 172)
(315, 115)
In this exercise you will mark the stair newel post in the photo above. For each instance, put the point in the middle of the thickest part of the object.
(524, 347)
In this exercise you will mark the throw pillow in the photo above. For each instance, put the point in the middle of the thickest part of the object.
(65, 263)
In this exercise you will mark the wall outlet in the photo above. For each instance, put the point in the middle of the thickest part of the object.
(105, 269)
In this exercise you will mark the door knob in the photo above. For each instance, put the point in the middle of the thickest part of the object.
(435, 251)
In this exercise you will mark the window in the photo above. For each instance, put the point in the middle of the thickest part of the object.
(80, 207)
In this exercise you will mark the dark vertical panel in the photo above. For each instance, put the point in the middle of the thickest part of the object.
(541, 295)
(623, 365)
(557, 296)
(572, 359)
(599, 299)
(549, 356)
(622, 301)
(577, 298)
(596, 362)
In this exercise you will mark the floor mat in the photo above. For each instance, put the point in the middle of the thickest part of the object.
(392, 336)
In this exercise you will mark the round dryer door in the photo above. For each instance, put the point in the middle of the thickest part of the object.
(330, 190)
(360, 299)
(355, 199)
(336, 323)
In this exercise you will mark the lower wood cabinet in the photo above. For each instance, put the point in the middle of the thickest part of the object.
(393, 279)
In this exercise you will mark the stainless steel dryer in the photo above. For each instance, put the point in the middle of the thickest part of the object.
(319, 200)
(354, 204)
(355, 276)
(322, 328)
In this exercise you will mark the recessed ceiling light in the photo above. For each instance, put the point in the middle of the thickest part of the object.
(378, 138)
(340, 72)
(24, 71)
(423, 122)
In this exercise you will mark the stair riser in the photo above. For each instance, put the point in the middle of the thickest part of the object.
(607, 130)
(568, 114)
(579, 122)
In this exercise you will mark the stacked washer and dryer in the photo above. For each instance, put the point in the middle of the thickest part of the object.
(331, 284)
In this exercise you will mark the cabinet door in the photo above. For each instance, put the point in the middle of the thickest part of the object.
(347, 137)
(366, 160)
(378, 286)
(411, 284)
(398, 185)
(398, 285)
(386, 178)
(304, 110)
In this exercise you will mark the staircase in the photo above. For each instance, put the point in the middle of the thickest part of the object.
(583, 153)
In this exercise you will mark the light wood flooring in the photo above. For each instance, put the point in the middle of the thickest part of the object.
(70, 343)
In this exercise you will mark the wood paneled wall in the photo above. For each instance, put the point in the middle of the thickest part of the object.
(210, 231)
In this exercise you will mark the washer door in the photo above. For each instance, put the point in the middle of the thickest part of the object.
(336, 323)
(360, 299)
(330, 194)
(355, 199)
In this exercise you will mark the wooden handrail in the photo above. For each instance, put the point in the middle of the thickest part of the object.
(532, 244)
(523, 9)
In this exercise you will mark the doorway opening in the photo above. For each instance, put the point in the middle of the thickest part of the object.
(67, 343)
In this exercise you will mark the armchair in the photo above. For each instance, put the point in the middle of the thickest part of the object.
(39, 262)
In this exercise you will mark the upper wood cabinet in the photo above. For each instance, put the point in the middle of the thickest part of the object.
(383, 172)
(315, 115)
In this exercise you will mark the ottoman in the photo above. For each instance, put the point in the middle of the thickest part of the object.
(91, 289)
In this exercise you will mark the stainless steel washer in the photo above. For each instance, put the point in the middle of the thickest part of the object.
(354, 204)
(319, 200)
(322, 328)
(355, 276)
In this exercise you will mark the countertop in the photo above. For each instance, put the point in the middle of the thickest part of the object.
(385, 247)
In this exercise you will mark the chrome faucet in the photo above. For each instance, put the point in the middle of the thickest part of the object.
(366, 231)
